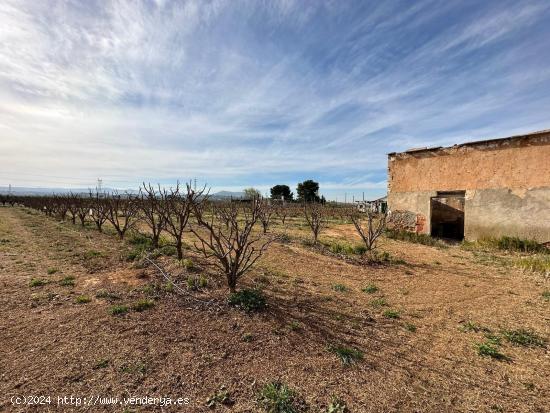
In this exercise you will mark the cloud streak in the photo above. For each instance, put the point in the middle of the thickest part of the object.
(240, 93)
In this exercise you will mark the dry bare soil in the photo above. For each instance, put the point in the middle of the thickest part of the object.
(62, 340)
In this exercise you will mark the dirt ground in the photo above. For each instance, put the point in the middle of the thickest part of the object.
(423, 361)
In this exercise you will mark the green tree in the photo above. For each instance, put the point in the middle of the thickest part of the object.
(250, 193)
(282, 191)
(308, 191)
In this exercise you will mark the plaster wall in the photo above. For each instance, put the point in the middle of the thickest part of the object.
(507, 185)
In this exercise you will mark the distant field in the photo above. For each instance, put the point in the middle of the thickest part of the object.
(430, 329)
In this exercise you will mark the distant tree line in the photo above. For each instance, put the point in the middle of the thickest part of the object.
(307, 191)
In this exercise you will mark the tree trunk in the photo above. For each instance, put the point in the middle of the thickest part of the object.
(179, 249)
(232, 282)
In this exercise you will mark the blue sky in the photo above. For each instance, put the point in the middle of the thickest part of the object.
(257, 93)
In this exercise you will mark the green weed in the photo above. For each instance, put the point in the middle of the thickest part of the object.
(249, 300)
(277, 397)
(38, 282)
(67, 282)
(524, 337)
(488, 349)
(347, 355)
(391, 314)
(143, 305)
(340, 288)
(370, 289)
(118, 309)
(82, 299)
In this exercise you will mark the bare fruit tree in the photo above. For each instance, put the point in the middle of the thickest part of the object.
(98, 208)
(176, 206)
(61, 206)
(72, 206)
(151, 212)
(314, 214)
(369, 225)
(225, 232)
(121, 212)
(266, 213)
(282, 212)
(83, 209)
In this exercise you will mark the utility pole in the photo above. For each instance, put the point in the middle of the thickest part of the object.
(363, 196)
(345, 197)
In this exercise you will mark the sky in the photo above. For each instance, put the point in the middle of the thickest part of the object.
(257, 93)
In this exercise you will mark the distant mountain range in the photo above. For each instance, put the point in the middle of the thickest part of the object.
(15, 190)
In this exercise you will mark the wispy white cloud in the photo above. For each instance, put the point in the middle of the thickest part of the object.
(241, 93)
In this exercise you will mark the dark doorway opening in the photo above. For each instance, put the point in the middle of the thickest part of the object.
(447, 215)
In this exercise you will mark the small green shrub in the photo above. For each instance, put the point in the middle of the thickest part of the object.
(169, 287)
(187, 263)
(191, 282)
(382, 258)
(143, 305)
(222, 396)
(337, 247)
(370, 289)
(546, 295)
(82, 299)
(52, 271)
(249, 300)
(337, 406)
(194, 282)
(488, 349)
(38, 282)
(525, 338)
(379, 302)
(118, 309)
(67, 282)
(340, 288)
(391, 314)
(347, 355)
(135, 254)
(277, 397)
(134, 368)
(140, 240)
(410, 327)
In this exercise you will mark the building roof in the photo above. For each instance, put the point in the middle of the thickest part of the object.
(473, 143)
